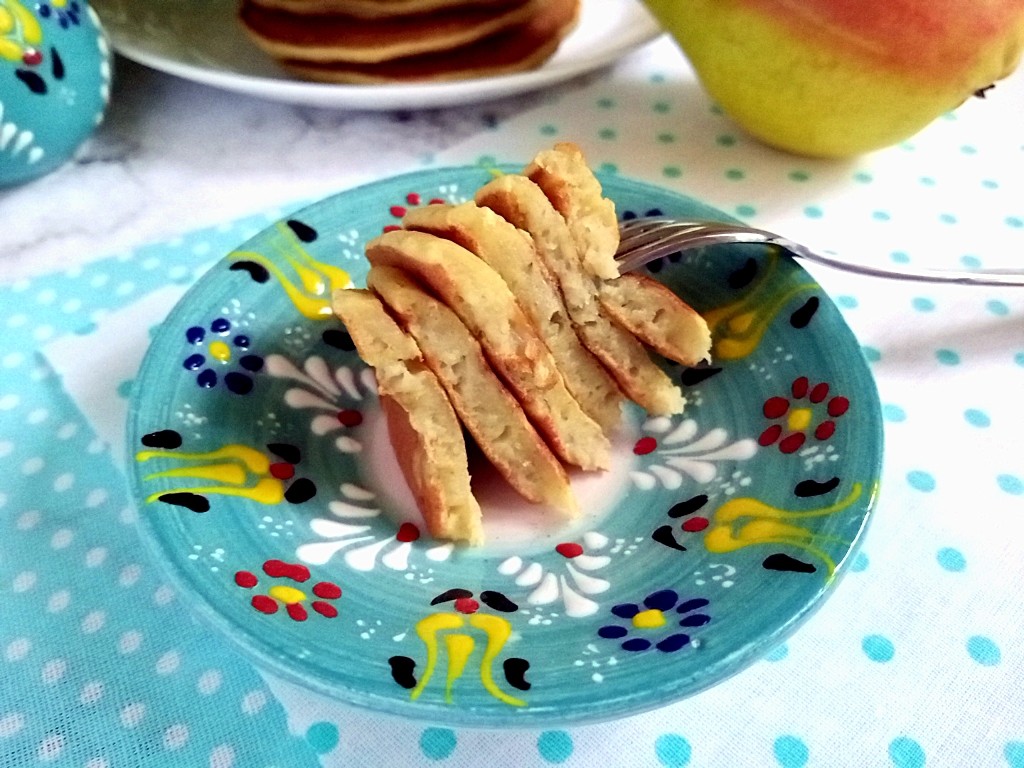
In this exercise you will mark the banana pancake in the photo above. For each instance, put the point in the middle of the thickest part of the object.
(521, 202)
(512, 254)
(335, 37)
(423, 428)
(644, 307)
(482, 300)
(374, 9)
(516, 48)
(487, 409)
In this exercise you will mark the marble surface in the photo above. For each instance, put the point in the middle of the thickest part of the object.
(173, 155)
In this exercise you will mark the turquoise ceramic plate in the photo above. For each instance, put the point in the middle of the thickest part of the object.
(267, 484)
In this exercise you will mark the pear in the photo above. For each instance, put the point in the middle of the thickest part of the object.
(837, 78)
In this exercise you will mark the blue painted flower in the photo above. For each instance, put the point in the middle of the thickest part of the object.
(220, 352)
(660, 615)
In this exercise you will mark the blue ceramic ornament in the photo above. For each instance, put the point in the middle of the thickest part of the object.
(54, 84)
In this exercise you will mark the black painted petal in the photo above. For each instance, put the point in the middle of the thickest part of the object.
(58, 64)
(285, 451)
(257, 272)
(192, 501)
(691, 377)
(451, 594)
(814, 488)
(498, 601)
(802, 316)
(300, 491)
(664, 535)
(338, 339)
(165, 438)
(35, 83)
(694, 620)
(515, 672)
(402, 668)
(689, 506)
(612, 632)
(303, 231)
(781, 562)
(636, 644)
(742, 277)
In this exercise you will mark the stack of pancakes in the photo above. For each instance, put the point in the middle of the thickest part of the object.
(506, 316)
(388, 41)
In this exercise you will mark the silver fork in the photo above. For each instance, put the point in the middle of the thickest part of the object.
(643, 240)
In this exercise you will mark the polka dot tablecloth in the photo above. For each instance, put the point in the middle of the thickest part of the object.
(916, 660)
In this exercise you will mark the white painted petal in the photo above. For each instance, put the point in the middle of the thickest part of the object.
(642, 480)
(344, 509)
(532, 575)
(546, 593)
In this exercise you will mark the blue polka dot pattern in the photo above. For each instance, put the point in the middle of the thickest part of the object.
(894, 413)
(778, 653)
(1010, 484)
(847, 302)
(921, 481)
(997, 307)
(947, 357)
(878, 648)
(1019, 359)
(904, 752)
(951, 559)
(860, 563)
(977, 418)
(790, 752)
(970, 261)
(983, 650)
(672, 750)
(1014, 754)
(813, 212)
(923, 304)
(555, 746)
(871, 354)
(438, 743)
(322, 736)
(900, 257)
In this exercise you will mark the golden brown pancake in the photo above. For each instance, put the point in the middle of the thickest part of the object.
(334, 38)
(422, 425)
(521, 202)
(562, 173)
(511, 253)
(484, 303)
(373, 9)
(487, 409)
(644, 307)
(515, 49)
(658, 317)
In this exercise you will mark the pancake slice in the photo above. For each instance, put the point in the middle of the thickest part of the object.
(422, 425)
(333, 37)
(658, 317)
(511, 253)
(484, 303)
(644, 307)
(521, 202)
(515, 49)
(567, 181)
(487, 409)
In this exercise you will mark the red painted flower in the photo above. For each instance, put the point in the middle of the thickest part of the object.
(292, 598)
(810, 411)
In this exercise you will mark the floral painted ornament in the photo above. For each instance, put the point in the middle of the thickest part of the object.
(656, 622)
(231, 470)
(215, 352)
(806, 413)
(55, 67)
(292, 598)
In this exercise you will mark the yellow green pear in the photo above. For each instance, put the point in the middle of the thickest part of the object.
(836, 78)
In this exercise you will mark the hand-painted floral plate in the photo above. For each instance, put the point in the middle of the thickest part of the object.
(268, 485)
